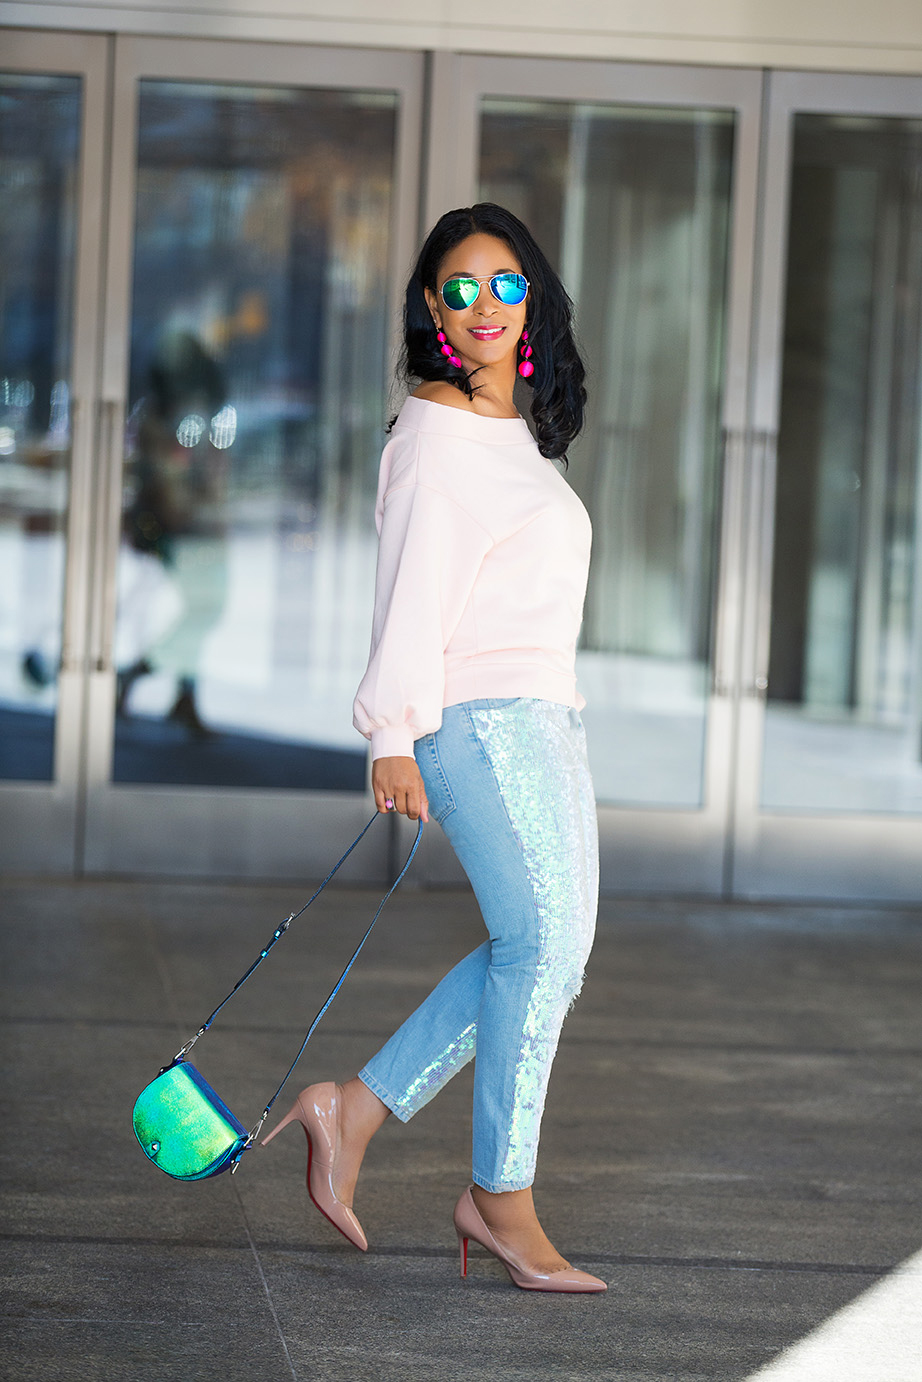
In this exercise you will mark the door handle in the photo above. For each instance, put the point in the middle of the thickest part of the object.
(741, 644)
(760, 528)
(104, 536)
(728, 586)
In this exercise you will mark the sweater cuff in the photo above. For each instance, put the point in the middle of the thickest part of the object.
(392, 741)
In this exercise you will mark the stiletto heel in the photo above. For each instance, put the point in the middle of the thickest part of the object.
(293, 1113)
(316, 1109)
(469, 1224)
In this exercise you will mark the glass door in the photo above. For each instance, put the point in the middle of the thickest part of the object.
(261, 199)
(830, 783)
(205, 246)
(640, 185)
(52, 140)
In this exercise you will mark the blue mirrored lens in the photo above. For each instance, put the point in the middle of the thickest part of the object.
(510, 289)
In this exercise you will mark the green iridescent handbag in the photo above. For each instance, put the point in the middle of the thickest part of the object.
(183, 1126)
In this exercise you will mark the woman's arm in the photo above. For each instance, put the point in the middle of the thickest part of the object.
(429, 555)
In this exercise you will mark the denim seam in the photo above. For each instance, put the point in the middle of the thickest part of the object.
(433, 747)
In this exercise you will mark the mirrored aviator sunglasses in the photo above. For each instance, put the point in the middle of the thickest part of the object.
(461, 292)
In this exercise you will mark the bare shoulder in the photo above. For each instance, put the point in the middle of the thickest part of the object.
(440, 391)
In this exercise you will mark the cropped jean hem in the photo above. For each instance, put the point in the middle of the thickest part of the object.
(389, 1100)
(495, 1189)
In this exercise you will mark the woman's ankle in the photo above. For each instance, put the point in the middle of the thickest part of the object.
(505, 1206)
(363, 1111)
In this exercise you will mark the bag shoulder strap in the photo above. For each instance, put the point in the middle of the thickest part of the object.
(276, 936)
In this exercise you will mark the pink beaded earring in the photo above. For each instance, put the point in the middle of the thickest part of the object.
(526, 368)
(447, 351)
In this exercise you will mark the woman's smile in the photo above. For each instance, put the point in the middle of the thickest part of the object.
(486, 333)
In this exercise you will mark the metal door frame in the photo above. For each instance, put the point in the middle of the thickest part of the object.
(42, 822)
(644, 849)
(791, 854)
(202, 831)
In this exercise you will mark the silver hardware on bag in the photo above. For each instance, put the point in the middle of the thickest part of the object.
(184, 1050)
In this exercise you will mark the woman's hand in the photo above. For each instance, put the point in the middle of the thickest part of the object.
(398, 780)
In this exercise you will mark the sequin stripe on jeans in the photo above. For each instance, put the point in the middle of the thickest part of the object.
(509, 782)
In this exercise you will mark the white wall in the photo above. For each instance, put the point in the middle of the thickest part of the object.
(848, 35)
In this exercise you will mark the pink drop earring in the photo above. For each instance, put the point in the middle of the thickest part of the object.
(526, 368)
(447, 351)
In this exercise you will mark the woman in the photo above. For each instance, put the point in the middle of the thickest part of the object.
(470, 704)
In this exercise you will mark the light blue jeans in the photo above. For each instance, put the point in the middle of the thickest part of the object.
(509, 783)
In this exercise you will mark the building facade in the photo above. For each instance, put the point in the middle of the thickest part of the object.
(206, 220)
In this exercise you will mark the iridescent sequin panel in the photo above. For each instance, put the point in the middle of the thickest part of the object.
(436, 1074)
(537, 752)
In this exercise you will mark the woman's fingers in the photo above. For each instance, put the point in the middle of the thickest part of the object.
(398, 786)
(416, 804)
(411, 802)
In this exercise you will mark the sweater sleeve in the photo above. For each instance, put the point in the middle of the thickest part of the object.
(429, 554)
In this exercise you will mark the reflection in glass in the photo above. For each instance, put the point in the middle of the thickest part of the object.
(39, 143)
(257, 402)
(632, 207)
(844, 718)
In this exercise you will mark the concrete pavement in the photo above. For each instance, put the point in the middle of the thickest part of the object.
(732, 1140)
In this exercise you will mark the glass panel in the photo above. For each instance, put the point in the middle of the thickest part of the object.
(257, 403)
(632, 206)
(844, 716)
(39, 147)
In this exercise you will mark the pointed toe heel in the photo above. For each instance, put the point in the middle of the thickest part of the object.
(317, 1110)
(469, 1224)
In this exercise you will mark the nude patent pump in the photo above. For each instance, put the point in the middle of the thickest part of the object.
(317, 1110)
(469, 1224)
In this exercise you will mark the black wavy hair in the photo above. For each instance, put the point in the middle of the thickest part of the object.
(559, 394)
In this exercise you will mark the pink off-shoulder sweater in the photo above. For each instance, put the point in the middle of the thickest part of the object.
(483, 560)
